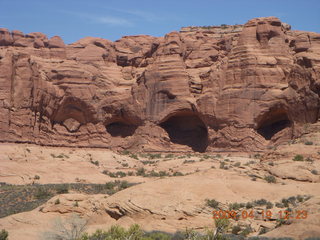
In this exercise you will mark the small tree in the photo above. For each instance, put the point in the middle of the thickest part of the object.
(71, 228)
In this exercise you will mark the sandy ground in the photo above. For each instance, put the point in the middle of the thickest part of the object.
(165, 203)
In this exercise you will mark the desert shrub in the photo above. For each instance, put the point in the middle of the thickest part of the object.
(271, 164)
(169, 155)
(125, 152)
(56, 202)
(141, 172)
(269, 205)
(157, 235)
(71, 228)
(154, 174)
(246, 231)
(263, 230)
(163, 173)
(130, 173)
(116, 232)
(261, 202)
(308, 143)
(188, 161)
(36, 177)
(222, 165)
(257, 155)
(95, 162)
(308, 159)
(110, 185)
(4, 234)
(279, 205)
(61, 189)
(135, 156)
(234, 206)
(300, 198)
(123, 185)
(222, 224)
(298, 157)
(178, 174)
(249, 205)
(212, 203)
(154, 156)
(285, 202)
(237, 164)
(147, 162)
(118, 174)
(315, 172)
(124, 164)
(270, 179)
(42, 193)
(236, 229)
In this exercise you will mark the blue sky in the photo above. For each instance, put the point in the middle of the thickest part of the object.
(75, 19)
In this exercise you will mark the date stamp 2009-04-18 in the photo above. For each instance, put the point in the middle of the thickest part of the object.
(264, 214)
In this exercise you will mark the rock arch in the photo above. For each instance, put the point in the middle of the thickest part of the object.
(72, 114)
(273, 122)
(120, 128)
(187, 129)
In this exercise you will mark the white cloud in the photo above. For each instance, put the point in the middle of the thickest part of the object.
(109, 20)
(112, 20)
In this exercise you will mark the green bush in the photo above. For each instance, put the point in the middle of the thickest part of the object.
(141, 172)
(42, 193)
(178, 174)
(236, 229)
(95, 162)
(57, 201)
(298, 157)
(261, 202)
(269, 205)
(270, 179)
(279, 205)
(308, 143)
(4, 234)
(235, 206)
(61, 189)
(249, 205)
(135, 156)
(153, 156)
(315, 172)
(212, 203)
(188, 161)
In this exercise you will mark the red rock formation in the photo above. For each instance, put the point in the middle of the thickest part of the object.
(203, 88)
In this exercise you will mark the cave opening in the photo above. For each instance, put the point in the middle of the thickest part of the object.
(187, 129)
(120, 129)
(273, 123)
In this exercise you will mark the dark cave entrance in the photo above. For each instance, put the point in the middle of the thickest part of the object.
(120, 129)
(187, 129)
(273, 122)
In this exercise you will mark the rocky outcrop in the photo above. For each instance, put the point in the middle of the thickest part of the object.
(203, 88)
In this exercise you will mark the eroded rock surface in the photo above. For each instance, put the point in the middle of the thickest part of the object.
(232, 87)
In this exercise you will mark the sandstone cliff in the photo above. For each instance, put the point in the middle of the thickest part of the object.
(203, 88)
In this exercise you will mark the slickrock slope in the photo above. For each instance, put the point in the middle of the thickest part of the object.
(238, 87)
